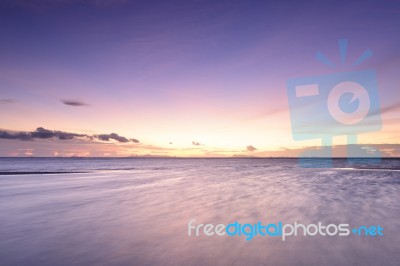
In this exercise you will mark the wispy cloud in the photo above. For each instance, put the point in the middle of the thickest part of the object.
(42, 133)
(390, 108)
(7, 101)
(73, 102)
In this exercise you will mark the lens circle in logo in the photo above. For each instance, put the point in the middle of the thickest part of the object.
(358, 93)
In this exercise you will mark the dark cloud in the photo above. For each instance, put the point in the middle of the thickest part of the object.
(42, 133)
(17, 135)
(114, 136)
(251, 148)
(74, 103)
(6, 101)
(196, 143)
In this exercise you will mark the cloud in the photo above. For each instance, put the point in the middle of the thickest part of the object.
(42, 133)
(196, 143)
(17, 135)
(251, 148)
(74, 103)
(7, 101)
(114, 136)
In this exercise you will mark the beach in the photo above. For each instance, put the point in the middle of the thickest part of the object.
(136, 211)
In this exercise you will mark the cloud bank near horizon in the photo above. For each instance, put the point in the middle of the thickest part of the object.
(42, 133)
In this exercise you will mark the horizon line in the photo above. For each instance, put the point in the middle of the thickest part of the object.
(192, 157)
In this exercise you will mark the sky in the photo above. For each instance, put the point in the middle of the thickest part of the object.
(181, 78)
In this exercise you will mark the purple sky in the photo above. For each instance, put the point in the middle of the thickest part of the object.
(174, 74)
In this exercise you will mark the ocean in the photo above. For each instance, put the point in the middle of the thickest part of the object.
(135, 211)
